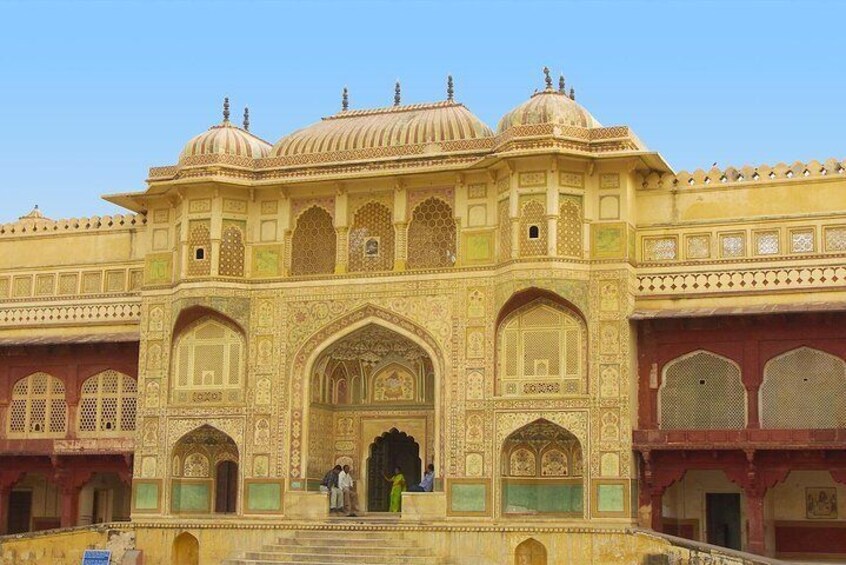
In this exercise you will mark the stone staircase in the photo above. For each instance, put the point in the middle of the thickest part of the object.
(341, 546)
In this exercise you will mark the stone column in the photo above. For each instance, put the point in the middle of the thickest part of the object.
(70, 505)
(342, 250)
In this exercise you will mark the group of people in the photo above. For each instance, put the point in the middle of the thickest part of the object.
(338, 482)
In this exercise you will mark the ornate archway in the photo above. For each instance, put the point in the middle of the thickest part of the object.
(541, 472)
(309, 370)
(204, 473)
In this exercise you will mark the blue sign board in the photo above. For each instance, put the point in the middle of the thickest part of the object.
(96, 557)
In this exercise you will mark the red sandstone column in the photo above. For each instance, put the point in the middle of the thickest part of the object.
(5, 492)
(657, 507)
(755, 519)
(70, 505)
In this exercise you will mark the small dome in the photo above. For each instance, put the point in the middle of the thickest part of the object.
(381, 128)
(226, 139)
(548, 106)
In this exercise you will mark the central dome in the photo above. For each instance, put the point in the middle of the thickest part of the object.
(549, 106)
(386, 128)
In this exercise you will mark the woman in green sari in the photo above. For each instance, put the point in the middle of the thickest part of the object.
(398, 485)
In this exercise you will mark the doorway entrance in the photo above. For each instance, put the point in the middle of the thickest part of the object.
(20, 511)
(723, 519)
(226, 487)
(392, 449)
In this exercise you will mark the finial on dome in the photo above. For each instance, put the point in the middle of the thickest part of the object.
(397, 94)
(345, 100)
(561, 86)
(246, 118)
(547, 78)
(450, 88)
(572, 93)
(226, 109)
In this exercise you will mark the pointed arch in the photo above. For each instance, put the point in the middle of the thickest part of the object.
(309, 353)
(541, 346)
(205, 470)
(803, 388)
(431, 235)
(530, 552)
(313, 243)
(690, 384)
(209, 353)
(371, 238)
(186, 550)
(107, 404)
(38, 407)
(539, 474)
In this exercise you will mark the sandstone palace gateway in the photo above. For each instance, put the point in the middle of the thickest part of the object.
(599, 355)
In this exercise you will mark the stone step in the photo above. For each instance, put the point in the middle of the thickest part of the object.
(348, 557)
(391, 561)
(334, 533)
(344, 547)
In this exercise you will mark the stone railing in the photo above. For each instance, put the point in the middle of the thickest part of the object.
(744, 176)
(687, 552)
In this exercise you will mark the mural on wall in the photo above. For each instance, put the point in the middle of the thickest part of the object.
(821, 502)
(393, 384)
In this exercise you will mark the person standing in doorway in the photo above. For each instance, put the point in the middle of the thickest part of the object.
(397, 486)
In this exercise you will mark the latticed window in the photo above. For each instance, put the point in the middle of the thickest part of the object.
(372, 239)
(199, 243)
(431, 236)
(232, 251)
(804, 388)
(533, 229)
(570, 227)
(541, 343)
(702, 391)
(38, 407)
(504, 230)
(107, 403)
(209, 355)
(313, 243)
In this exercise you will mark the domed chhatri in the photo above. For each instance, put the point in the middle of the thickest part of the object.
(225, 139)
(393, 127)
(549, 106)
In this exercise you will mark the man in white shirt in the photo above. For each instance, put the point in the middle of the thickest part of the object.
(345, 481)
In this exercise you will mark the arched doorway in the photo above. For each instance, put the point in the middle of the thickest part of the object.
(370, 379)
(530, 552)
(186, 550)
(226, 487)
(542, 472)
(392, 449)
(204, 473)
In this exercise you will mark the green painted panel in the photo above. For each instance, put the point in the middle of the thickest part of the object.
(468, 498)
(146, 496)
(542, 498)
(610, 498)
(190, 497)
(264, 496)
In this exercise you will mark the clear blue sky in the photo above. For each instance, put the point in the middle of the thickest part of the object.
(94, 93)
